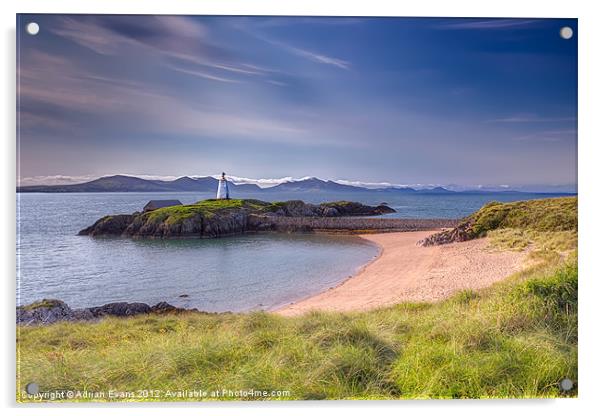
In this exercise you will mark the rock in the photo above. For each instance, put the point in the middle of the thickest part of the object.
(49, 311)
(330, 212)
(383, 208)
(352, 209)
(46, 311)
(462, 232)
(120, 309)
(109, 225)
(228, 223)
(83, 315)
(163, 307)
(298, 209)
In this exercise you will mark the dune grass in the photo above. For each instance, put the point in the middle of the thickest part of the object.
(551, 214)
(518, 240)
(517, 338)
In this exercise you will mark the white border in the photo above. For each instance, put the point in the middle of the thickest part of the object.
(590, 68)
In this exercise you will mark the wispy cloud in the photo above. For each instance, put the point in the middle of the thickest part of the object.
(278, 83)
(371, 185)
(168, 38)
(269, 182)
(201, 74)
(175, 91)
(484, 24)
(261, 182)
(550, 136)
(305, 53)
(319, 58)
(530, 119)
(70, 180)
(54, 179)
(58, 84)
(283, 21)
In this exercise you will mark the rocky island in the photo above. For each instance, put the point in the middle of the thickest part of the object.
(222, 217)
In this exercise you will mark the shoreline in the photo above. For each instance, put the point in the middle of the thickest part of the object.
(283, 305)
(403, 271)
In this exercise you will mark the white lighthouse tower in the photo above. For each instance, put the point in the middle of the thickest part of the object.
(222, 188)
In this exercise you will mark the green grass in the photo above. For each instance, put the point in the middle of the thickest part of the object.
(517, 338)
(206, 208)
(44, 303)
(547, 226)
(209, 208)
(518, 240)
(552, 214)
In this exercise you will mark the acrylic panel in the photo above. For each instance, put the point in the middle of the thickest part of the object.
(295, 208)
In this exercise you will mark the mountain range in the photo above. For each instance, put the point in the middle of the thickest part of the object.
(122, 183)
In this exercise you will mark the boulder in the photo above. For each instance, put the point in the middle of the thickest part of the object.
(163, 307)
(46, 311)
(383, 208)
(120, 309)
(299, 209)
(462, 232)
(330, 212)
(109, 225)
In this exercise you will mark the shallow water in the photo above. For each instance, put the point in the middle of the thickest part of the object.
(255, 271)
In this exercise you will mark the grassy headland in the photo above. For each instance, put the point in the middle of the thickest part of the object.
(220, 217)
(517, 338)
(554, 214)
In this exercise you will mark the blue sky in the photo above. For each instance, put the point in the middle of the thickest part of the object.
(396, 100)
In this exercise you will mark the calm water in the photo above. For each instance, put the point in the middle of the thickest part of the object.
(235, 273)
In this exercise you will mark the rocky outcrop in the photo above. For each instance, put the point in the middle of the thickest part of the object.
(352, 209)
(462, 232)
(541, 215)
(227, 223)
(216, 218)
(110, 225)
(329, 209)
(49, 311)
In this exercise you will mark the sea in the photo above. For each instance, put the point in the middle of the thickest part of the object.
(242, 273)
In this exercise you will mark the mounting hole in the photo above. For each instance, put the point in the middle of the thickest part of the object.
(566, 32)
(32, 28)
(32, 388)
(566, 384)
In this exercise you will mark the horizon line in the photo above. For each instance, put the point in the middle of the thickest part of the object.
(264, 183)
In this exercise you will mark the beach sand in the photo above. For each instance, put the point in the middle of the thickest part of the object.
(407, 272)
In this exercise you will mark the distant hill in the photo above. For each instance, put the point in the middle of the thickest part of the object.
(436, 190)
(117, 183)
(123, 183)
(313, 185)
(189, 184)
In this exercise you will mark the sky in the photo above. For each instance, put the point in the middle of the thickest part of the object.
(401, 101)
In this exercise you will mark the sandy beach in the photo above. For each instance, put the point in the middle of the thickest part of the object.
(407, 272)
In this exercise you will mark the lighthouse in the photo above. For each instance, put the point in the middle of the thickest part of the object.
(222, 188)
